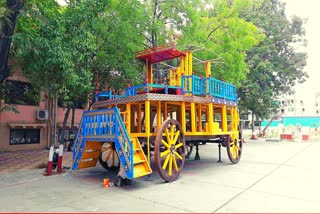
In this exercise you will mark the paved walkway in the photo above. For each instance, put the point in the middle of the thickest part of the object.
(271, 177)
(27, 159)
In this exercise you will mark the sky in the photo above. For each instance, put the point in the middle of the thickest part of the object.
(309, 9)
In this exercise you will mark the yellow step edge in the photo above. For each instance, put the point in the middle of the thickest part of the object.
(137, 175)
(138, 161)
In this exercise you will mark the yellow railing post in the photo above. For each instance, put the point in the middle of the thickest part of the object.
(158, 115)
(128, 110)
(147, 125)
(193, 118)
(190, 62)
(199, 118)
(210, 118)
(139, 118)
(208, 69)
(224, 118)
(165, 111)
(186, 64)
(183, 115)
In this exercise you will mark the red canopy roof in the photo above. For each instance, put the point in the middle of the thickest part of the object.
(159, 53)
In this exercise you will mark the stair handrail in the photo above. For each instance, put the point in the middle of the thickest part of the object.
(127, 140)
(77, 140)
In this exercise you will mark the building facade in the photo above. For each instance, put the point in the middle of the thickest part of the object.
(28, 129)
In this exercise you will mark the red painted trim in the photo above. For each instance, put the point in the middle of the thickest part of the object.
(59, 167)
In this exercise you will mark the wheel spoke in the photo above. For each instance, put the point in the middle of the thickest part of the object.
(175, 164)
(168, 136)
(108, 156)
(170, 166)
(103, 149)
(238, 149)
(164, 166)
(176, 137)
(178, 155)
(164, 153)
(113, 157)
(165, 143)
(233, 153)
(178, 145)
(172, 132)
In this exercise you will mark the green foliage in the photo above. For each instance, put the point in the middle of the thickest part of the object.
(275, 65)
(5, 14)
(220, 29)
(3, 96)
(61, 49)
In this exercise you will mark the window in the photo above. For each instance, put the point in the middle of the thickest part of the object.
(24, 136)
(21, 93)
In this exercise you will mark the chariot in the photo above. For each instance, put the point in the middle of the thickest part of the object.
(164, 118)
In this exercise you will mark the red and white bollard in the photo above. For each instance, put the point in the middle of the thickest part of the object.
(59, 167)
(49, 166)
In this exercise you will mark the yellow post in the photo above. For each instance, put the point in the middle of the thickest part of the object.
(182, 59)
(199, 118)
(147, 125)
(208, 74)
(171, 77)
(190, 63)
(210, 117)
(128, 125)
(208, 69)
(165, 112)
(224, 118)
(178, 77)
(139, 118)
(186, 65)
(158, 115)
(183, 116)
(193, 118)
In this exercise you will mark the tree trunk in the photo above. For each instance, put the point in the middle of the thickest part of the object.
(252, 121)
(262, 134)
(253, 137)
(65, 120)
(6, 37)
(51, 115)
(72, 119)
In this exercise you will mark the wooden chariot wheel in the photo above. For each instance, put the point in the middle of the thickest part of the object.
(108, 157)
(234, 148)
(170, 150)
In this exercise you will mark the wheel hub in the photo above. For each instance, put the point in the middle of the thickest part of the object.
(172, 149)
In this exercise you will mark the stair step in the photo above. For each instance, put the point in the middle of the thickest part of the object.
(140, 170)
(87, 164)
(137, 175)
(137, 158)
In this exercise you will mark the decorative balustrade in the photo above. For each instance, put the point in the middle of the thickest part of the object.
(190, 85)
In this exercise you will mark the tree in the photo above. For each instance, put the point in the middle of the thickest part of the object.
(219, 28)
(62, 48)
(9, 11)
(275, 64)
(162, 19)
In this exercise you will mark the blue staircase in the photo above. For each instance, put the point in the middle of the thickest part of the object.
(106, 125)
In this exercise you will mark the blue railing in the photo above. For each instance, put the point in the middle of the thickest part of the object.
(105, 125)
(193, 84)
(108, 95)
